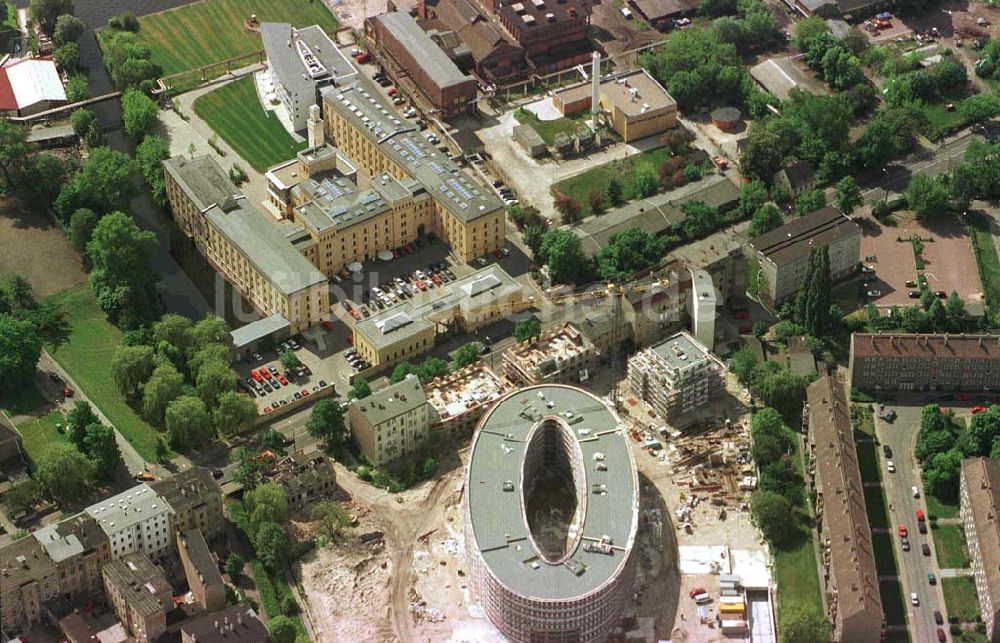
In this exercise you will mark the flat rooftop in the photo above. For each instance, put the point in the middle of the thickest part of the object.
(681, 351)
(392, 401)
(336, 201)
(257, 330)
(793, 240)
(361, 104)
(300, 58)
(498, 523)
(458, 393)
(648, 96)
(127, 508)
(140, 581)
(435, 63)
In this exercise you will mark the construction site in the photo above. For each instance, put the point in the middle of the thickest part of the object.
(459, 399)
(563, 354)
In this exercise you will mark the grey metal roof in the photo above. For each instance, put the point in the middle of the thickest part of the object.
(498, 524)
(258, 330)
(681, 351)
(281, 45)
(128, 508)
(779, 76)
(58, 546)
(425, 51)
(363, 106)
(393, 401)
(201, 179)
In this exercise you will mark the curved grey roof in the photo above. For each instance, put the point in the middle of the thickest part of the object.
(498, 525)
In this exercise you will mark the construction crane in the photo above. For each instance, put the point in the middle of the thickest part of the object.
(615, 293)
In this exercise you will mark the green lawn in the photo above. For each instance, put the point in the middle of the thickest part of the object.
(235, 113)
(892, 602)
(207, 32)
(597, 178)
(960, 597)
(939, 509)
(986, 260)
(39, 434)
(797, 577)
(861, 420)
(548, 129)
(940, 120)
(87, 359)
(949, 543)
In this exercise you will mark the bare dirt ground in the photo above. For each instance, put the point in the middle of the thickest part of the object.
(950, 264)
(33, 246)
(352, 13)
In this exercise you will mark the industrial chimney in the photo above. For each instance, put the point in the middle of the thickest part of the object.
(315, 127)
(595, 83)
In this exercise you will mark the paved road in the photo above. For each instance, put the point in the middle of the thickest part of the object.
(133, 461)
(931, 162)
(901, 437)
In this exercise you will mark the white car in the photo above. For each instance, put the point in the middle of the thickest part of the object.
(868, 269)
(890, 466)
(914, 599)
(874, 293)
(916, 492)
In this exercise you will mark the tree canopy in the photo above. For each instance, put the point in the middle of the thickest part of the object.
(123, 277)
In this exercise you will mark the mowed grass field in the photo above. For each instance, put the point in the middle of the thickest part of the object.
(207, 32)
(87, 359)
(235, 113)
(41, 433)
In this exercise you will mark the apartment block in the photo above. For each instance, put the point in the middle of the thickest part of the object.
(136, 520)
(195, 500)
(305, 476)
(979, 494)
(466, 215)
(459, 399)
(28, 578)
(398, 35)
(560, 355)
(675, 377)
(140, 595)
(912, 362)
(263, 260)
(783, 253)
(391, 424)
(849, 574)
(237, 623)
(201, 570)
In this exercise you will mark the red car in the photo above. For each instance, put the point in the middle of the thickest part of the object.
(920, 515)
(256, 376)
(964, 397)
(940, 635)
(266, 373)
(498, 254)
(305, 392)
(391, 91)
(978, 409)
(420, 284)
(902, 531)
(283, 380)
(327, 325)
(694, 592)
(363, 58)
(436, 279)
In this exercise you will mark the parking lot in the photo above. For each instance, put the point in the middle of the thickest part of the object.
(271, 385)
(949, 264)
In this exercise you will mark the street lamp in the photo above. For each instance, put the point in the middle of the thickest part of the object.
(885, 171)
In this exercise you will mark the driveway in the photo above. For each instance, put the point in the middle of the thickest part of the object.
(901, 437)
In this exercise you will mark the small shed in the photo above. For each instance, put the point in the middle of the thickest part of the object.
(530, 140)
(248, 339)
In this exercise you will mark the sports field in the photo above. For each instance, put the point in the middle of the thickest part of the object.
(207, 32)
(235, 113)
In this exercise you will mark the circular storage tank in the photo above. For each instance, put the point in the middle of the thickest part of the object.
(726, 118)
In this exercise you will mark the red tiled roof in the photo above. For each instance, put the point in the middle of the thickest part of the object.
(7, 99)
(958, 346)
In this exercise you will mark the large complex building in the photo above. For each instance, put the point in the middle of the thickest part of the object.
(256, 256)
(408, 330)
(552, 32)
(397, 34)
(783, 253)
(925, 362)
(632, 102)
(140, 595)
(300, 62)
(675, 377)
(467, 216)
(563, 354)
(534, 587)
(849, 573)
(459, 399)
(391, 424)
(980, 510)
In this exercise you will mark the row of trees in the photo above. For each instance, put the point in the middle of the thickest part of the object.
(126, 57)
(932, 315)
(178, 376)
(771, 382)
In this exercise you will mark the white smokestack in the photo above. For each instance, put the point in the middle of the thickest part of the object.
(315, 127)
(595, 83)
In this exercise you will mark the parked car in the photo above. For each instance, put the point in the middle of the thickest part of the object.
(915, 491)
(890, 466)
(922, 527)
(914, 294)
(887, 450)
(940, 294)
(920, 515)
(941, 636)
(874, 293)
(938, 618)
(868, 269)
(910, 283)
(931, 578)
(902, 531)
(925, 549)
(914, 599)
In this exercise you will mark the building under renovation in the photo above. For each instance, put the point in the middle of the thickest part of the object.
(458, 400)
(675, 377)
(563, 354)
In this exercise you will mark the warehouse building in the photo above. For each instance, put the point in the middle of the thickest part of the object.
(979, 495)
(398, 35)
(850, 577)
(675, 377)
(783, 253)
(540, 571)
(29, 86)
(907, 362)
